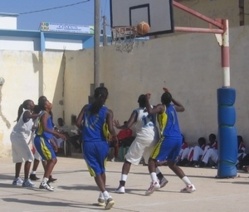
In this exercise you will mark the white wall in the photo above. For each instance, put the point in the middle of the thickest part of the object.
(18, 43)
(63, 44)
(27, 75)
(8, 21)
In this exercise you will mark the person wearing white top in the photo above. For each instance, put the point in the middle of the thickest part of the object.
(20, 137)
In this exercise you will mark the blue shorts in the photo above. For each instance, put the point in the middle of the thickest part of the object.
(95, 155)
(44, 148)
(167, 149)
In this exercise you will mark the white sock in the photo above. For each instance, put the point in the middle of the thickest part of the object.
(101, 195)
(45, 180)
(124, 177)
(186, 180)
(157, 170)
(153, 177)
(106, 195)
(33, 172)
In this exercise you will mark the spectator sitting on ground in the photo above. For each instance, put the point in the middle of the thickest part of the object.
(210, 155)
(72, 133)
(241, 152)
(183, 155)
(196, 152)
(243, 157)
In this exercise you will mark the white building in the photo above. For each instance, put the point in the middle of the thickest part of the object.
(50, 37)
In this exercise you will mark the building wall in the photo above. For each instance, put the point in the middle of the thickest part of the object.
(27, 75)
(246, 12)
(63, 44)
(8, 21)
(19, 43)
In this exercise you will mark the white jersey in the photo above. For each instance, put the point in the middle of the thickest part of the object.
(145, 124)
(146, 137)
(19, 138)
(23, 129)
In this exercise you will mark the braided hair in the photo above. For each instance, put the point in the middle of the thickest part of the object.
(24, 105)
(100, 96)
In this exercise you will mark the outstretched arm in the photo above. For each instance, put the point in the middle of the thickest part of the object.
(157, 109)
(129, 123)
(28, 115)
(109, 121)
(178, 106)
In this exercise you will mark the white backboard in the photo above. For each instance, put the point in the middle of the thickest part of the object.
(158, 13)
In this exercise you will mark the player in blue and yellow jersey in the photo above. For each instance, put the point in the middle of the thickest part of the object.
(44, 142)
(96, 123)
(171, 140)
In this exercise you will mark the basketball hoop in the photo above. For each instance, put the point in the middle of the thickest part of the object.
(124, 38)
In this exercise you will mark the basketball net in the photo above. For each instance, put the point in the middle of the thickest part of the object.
(124, 38)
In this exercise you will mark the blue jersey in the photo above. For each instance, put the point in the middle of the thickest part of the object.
(171, 129)
(40, 131)
(94, 125)
(42, 140)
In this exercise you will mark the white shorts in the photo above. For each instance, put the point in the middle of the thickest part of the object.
(20, 149)
(142, 146)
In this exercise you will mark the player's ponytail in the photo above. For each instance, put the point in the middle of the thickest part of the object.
(24, 105)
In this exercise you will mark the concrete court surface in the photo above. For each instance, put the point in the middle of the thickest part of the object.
(75, 190)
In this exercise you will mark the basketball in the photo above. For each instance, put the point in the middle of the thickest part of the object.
(143, 28)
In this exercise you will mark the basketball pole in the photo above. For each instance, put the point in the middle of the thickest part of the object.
(221, 30)
(225, 54)
(228, 149)
(96, 43)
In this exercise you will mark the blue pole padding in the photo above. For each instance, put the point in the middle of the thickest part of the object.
(226, 116)
(227, 143)
(228, 151)
(226, 96)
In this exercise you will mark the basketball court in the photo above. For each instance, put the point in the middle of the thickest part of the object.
(75, 190)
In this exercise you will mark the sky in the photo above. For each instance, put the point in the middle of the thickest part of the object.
(79, 12)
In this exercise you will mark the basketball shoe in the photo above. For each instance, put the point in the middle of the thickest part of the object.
(163, 182)
(109, 203)
(101, 202)
(120, 190)
(33, 177)
(189, 189)
(28, 183)
(46, 186)
(51, 179)
(153, 187)
(17, 181)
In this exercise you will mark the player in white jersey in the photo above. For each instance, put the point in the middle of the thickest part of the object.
(19, 137)
(146, 138)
